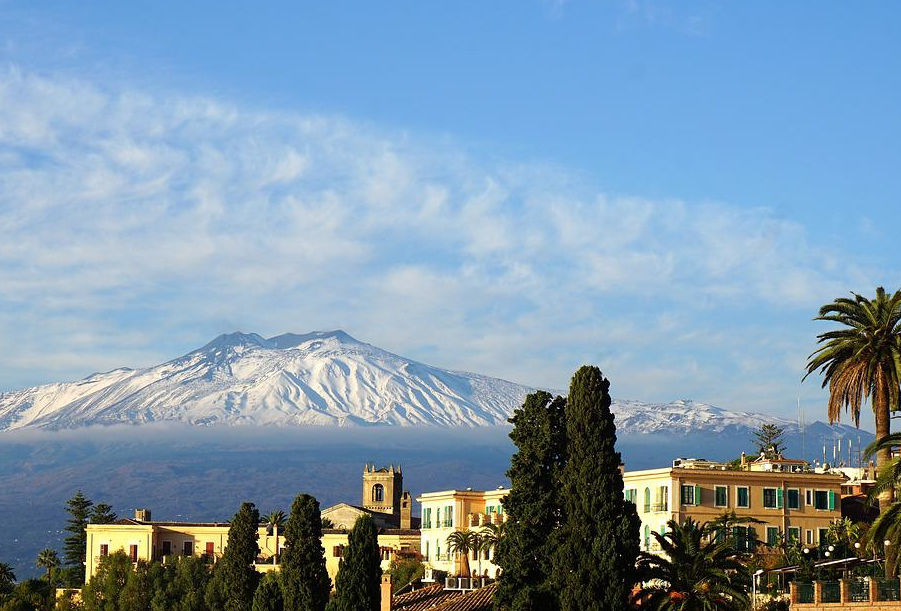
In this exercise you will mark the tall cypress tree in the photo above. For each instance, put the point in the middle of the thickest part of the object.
(533, 509)
(598, 544)
(360, 572)
(234, 577)
(75, 544)
(305, 581)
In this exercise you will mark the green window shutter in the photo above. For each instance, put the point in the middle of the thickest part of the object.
(697, 495)
(831, 500)
(779, 499)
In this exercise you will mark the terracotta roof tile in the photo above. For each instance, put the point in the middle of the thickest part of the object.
(424, 599)
(477, 600)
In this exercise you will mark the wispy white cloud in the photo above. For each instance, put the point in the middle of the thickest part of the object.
(133, 225)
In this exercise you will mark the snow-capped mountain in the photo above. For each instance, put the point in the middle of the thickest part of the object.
(320, 378)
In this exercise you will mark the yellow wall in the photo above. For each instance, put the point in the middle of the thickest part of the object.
(472, 510)
(806, 517)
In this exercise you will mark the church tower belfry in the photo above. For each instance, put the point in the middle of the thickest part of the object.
(383, 488)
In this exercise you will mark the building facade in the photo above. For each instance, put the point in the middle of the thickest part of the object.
(450, 510)
(792, 502)
(144, 539)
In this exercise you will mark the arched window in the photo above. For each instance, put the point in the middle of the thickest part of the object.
(647, 500)
(378, 493)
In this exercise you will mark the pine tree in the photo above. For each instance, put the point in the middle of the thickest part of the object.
(532, 507)
(234, 578)
(598, 542)
(75, 544)
(103, 514)
(357, 586)
(268, 596)
(769, 440)
(305, 581)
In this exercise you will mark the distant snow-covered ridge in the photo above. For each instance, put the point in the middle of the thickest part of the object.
(321, 378)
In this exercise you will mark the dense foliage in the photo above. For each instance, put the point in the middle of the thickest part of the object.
(234, 578)
(305, 581)
(533, 506)
(357, 586)
(695, 572)
(598, 540)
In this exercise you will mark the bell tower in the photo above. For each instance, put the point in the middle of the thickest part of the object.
(383, 488)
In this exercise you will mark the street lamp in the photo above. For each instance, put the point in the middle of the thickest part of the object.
(757, 574)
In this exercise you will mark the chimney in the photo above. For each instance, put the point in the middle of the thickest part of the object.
(406, 510)
(744, 460)
(387, 592)
(142, 515)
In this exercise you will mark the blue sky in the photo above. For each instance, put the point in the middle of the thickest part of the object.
(668, 190)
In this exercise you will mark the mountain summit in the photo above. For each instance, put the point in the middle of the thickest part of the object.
(319, 378)
(324, 378)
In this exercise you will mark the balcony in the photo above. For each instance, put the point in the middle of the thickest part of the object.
(660, 507)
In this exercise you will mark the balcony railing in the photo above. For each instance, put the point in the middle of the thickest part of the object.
(660, 507)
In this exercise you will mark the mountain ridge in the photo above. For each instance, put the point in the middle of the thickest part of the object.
(321, 378)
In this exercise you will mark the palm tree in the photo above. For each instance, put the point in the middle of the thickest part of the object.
(696, 573)
(862, 361)
(491, 536)
(887, 526)
(7, 578)
(48, 559)
(275, 520)
(462, 542)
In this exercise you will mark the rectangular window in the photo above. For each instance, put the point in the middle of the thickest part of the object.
(167, 548)
(821, 500)
(104, 549)
(427, 517)
(133, 552)
(338, 551)
(772, 536)
(663, 498)
(630, 495)
(427, 550)
(822, 536)
(769, 498)
(449, 516)
(794, 535)
(744, 538)
(438, 517)
(808, 497)
(688, 494)
(809, 537)
(188, 548)
(793, 498)
(742, 497)
(722, 496)
(210, 549)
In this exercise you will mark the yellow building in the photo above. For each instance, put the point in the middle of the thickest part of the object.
(790, 500)
(450, 510)
(383, 498)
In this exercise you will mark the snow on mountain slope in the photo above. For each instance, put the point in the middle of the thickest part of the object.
(320, 378)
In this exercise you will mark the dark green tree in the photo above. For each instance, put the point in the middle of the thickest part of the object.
(598, 540)
(533, 508)
(268, 596)
(7, 578)
(103, 514)
(234, 578)
(79, 509)
(405, 570)
(101, 592)
(185, 587)
(30, 595)
(769, 440)
(139, 587)
(357, 586)
(305, 581)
